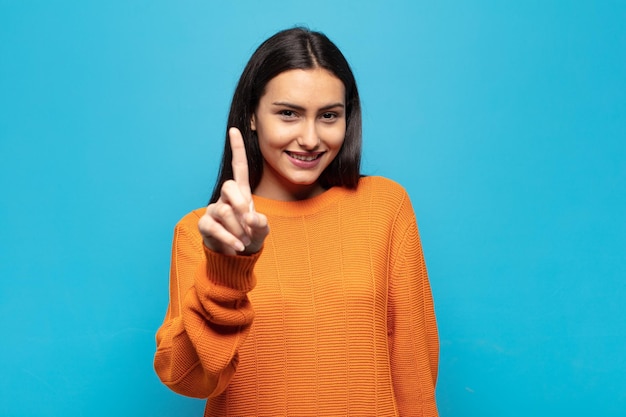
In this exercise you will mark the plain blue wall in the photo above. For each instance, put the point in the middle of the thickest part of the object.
(506, 122)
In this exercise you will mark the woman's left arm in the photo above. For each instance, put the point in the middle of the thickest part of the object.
(413, 338)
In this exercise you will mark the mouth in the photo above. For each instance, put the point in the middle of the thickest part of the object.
(305, 157)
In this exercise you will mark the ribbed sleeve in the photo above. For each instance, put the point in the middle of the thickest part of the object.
(334, 318)
(208, 317)
(413, 340)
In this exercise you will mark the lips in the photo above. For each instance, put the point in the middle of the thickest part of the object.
(305, 160)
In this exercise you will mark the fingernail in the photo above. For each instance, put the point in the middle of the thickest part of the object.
(239, 247)
(246, 241)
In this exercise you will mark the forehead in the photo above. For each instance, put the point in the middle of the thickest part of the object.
(305, 85)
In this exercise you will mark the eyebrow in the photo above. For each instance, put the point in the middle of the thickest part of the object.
(300, 108)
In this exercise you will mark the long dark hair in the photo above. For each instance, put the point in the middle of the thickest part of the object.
(297, 48)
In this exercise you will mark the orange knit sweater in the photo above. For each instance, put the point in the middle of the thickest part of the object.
(333, 317)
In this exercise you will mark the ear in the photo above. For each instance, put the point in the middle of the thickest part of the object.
(252, 123)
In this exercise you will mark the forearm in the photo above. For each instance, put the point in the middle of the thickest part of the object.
(208, 318)
(177, 364)
(197, 356)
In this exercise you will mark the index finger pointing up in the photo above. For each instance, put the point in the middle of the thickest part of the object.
(239, 162)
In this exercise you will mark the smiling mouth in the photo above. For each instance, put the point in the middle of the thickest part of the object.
(306, 157)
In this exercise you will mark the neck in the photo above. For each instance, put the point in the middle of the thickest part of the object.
(288, 192)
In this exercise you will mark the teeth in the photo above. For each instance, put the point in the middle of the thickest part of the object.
(304, 157)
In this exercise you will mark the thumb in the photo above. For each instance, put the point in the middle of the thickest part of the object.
(258, 229)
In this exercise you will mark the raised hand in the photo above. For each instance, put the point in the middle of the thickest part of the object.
(231, 224)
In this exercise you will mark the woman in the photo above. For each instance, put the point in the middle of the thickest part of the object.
(301, 289)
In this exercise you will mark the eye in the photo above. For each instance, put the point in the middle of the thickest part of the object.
(329, 116)
(287, 113)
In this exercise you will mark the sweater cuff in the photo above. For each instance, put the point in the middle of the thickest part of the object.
(232, 271)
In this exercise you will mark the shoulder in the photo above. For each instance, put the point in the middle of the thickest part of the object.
(189, 222)
(382, 190)
(375, 181)
(386, 198)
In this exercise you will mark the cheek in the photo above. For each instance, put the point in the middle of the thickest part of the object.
(336, 136)
(274, 135)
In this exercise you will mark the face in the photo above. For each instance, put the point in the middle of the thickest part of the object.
(301, 124)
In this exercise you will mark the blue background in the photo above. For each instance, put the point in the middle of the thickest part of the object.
(505, 121)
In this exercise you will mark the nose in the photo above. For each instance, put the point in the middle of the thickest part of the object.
(309, 139)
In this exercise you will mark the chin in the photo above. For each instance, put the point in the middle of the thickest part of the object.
(305, 182)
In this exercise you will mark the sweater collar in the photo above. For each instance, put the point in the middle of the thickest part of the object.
(300, 207)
